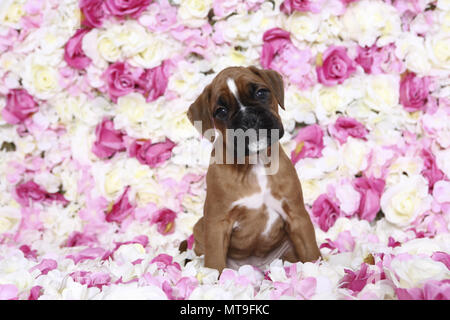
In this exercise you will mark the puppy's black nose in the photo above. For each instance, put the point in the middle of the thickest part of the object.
(250, 121)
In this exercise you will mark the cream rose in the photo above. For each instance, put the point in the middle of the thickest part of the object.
(403, 202)
(193, 12)
(40, 76)
(364, 21)
(438, 48)
(303, 26)
(412, 49)
(382, 92)
(413, 272)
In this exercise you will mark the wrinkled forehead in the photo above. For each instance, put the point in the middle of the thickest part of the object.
(234, 82)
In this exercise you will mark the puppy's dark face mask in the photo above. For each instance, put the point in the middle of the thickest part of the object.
(242, 103)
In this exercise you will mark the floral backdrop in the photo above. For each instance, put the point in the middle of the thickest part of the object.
(102, 175)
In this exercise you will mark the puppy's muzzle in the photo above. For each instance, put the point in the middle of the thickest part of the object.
(253, 130)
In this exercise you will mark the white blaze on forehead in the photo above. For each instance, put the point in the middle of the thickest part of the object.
(234, 90)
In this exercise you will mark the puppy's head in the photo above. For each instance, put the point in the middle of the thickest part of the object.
(242, 103)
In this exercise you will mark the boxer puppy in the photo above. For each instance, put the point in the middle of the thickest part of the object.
(251, 216)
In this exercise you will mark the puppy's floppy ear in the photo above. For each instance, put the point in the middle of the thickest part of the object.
(275, 82)
(200, 111)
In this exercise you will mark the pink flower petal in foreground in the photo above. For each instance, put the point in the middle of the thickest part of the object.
(93, 12)
(19, 106)
(29, 192)
(370, 190)
(108, 140)
(73, 52)
(8, 292)
(45, 266)
(345, 127)
(309, 143)
(356, 281)
(432, 290)
(35, 293)
(414, 92)
(121, 209)
(151, 154)
(152, 83)
(165, 220)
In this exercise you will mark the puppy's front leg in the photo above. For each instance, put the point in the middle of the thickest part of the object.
(217, 239)
(301, 232)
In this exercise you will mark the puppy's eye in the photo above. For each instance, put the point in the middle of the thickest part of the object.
(221, 113)
(262, 94)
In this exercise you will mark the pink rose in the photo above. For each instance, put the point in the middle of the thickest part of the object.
(35, 293)
(151, 154)
(345, 127)
(30, 191)
(289, 6)
(336, 66)
(165, 219)
(432, 290)
(414, 92)
(120, 80)
(309, 143)
(123, 8)
(93, 13)
(19, 106)
(356, 281)
(274, 41)
(430, 169)
(325, 211)
(280, 54)
(370, 190)
(152, 83)
(121, 209)
(8, 292)
(108, 140)
(366, 57)
(73, 52)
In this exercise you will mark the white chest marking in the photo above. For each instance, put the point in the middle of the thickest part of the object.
(234, 90)
(263, 197)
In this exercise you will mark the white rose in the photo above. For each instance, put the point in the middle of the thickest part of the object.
(300, 105)
(382, 92)
(418, 246)
(438, 48)
(354, 155)
(108, 45)
(364, 21)
(412, 166)
(404, 202)
(193, 12)
(9, 219)
(40, 76)
(131, 110)
(11, 12)
(132, 37)
(412, 49)
(91, 50)
(413, 272)
(178, 127)
(303, 26)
